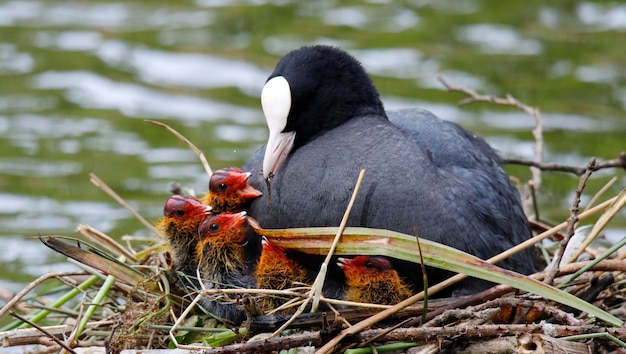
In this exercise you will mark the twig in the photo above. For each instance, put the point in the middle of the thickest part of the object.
(509, 101)
(106, 241)
(571, 223)
(501, 290)
(418, 334)
(618, 162)
(46, 333)
(538, 238)
(319, 281)
(100, 184)
(27, 336)
(543, 307)
(599, 193)
(602, 222)
(17, 298)
(603, 256)
(193, 148)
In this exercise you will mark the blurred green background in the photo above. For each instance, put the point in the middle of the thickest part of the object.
(77, 79)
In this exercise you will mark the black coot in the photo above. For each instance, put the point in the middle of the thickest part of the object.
(327, 122)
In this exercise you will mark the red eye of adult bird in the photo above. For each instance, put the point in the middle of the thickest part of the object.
(179, 226)
(221, 258)
(372, 280)
(278, 270)
(229, 190)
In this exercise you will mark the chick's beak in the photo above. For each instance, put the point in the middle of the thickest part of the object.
(241, 218)
(343, 262)
(248, 192)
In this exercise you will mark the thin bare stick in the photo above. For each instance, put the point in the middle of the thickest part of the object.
(599, 193)
(46, 333)
(509, 101)
(603, 220)
(619, 162)
(317, 286)
(105, 240)
(538, 238)
(17, 298)
(572, 220)
(100, 184)
(319, 281)
(193, 148)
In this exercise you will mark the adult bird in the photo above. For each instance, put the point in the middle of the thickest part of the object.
(326, 122)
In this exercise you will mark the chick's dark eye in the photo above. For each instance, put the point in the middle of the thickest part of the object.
(369, 265)
(214, 227)
(180, 212)
(222, 186)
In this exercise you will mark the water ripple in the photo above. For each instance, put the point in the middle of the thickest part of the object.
(186, 69)
(13, 61)
(69, 40)
(32, 167)
(498, 39)
(94, 91)
(611, 16)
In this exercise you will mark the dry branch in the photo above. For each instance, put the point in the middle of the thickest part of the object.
(418, 334)
(534, 112)
(572, 220)
(619, 162)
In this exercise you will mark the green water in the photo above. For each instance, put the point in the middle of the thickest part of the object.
(77, 79)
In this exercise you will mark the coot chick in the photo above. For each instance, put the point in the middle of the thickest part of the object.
(373, 280)
(222, 262)
(278, 270)
(179, 226)
(327, 122)
(229, 190)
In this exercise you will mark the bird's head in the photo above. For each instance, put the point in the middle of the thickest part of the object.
(276, 256)
(365, 269)
(312, 90)
(229, 187)
(184, 211)
(222, 229)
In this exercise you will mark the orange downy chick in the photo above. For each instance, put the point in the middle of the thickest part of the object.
(229, 190)
(277, 270)
(373, 280)
(221, 259)
(179, 226)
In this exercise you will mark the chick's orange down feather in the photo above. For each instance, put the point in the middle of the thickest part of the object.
(222, 262)
(278, 270)
(229, 190)
(179, 226)
(373, 280)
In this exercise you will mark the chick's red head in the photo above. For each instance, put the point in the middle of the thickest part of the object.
(232, 183)
(274, 256)
(184, 211)
(365, 269)
(222, 229)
